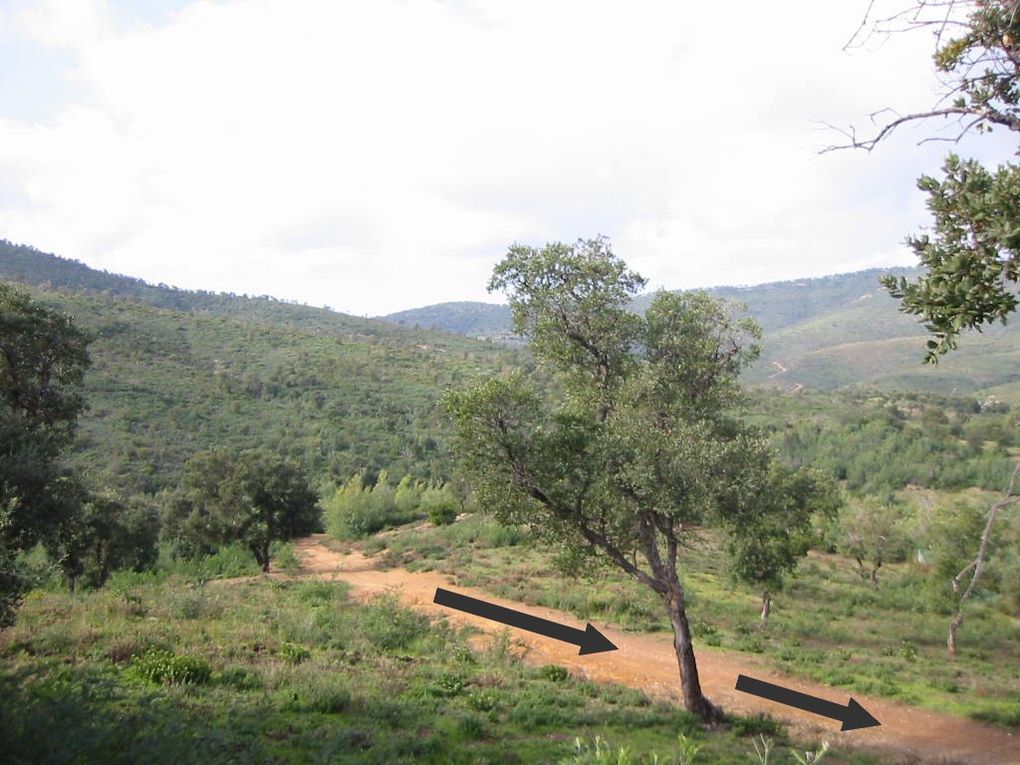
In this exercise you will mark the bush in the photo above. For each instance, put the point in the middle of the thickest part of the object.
(355, 511)
(160, 666)
(554, 673)
(293, 653)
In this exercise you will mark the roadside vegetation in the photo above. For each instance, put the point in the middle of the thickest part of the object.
(828, 624)
(169, 667)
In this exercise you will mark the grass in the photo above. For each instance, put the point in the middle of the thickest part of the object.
(269, 671)
(827, 625)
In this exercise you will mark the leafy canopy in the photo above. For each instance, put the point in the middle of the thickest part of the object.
(641, 445)
(43, 359)
(254, 498)
(971, 257)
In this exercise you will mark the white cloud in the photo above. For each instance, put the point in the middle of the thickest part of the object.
(381, 154)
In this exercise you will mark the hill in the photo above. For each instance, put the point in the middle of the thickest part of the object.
(827, 333)
(489, 320)
(175, 372)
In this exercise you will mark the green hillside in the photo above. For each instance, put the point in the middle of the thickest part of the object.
(465, 318)
(338, 393)
(827, 333)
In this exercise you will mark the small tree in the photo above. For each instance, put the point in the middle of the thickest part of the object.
(778, 535)
(254, 498)
(870, 534)
(108, 534)
(641, 446)
(956, 561)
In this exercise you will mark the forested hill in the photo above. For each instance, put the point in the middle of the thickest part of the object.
(27, 265)
(465, 318)
(822, 333)
(175, 372)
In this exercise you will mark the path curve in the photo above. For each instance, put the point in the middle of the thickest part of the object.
(647, 662)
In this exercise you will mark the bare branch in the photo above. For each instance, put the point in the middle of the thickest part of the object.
(977, 565)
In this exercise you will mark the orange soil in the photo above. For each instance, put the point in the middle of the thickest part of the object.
(647, 662)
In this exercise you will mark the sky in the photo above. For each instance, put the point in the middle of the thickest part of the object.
(378, 155)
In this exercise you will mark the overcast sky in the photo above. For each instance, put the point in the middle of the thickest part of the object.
(377, 155)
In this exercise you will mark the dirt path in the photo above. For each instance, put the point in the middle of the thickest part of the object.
(647, 662)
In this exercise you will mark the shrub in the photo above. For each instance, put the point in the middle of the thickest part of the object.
(442, 512)
(554, 673)
(292, 653)
(756, 725)
(161, 666)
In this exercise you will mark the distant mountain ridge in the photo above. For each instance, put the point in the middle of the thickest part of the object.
(27, 265)
(475, 319)
(827, 332)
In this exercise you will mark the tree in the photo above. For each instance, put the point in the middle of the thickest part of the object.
(778, 535)
(109, 533)
(254, 498)
(637, 445)
(955, 559)
(43, 358)
(973, 259)
(870, 534)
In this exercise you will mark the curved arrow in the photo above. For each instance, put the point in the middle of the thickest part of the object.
(589, 639)
(853, 715)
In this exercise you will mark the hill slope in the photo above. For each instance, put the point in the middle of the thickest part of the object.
(175, 372)
(824, 333)
(465, 318)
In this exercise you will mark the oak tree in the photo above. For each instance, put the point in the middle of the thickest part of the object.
(254, 498)
(638, 445)
(43, 358)
(972, 257)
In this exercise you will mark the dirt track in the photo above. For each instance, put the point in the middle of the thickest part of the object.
(647, 662)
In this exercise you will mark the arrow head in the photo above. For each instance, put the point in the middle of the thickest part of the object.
(595, 642)
(857, 716)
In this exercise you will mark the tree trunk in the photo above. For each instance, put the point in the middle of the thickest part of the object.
(953, 627)
(262, 556)
(766, 607)
(690, 685)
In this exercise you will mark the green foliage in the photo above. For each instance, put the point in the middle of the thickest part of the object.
(554, 673)
(254, 498)
(871, 532)
(874, 443)
(109, 533)
(293, 653)
(43, 359)
(953, 540)
(769, 543)
(159, 666)
(440, 506)
(971, 259)
(355, 510)
(643, 444)
(70, 659)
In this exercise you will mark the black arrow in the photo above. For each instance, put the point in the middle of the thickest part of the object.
(853, 715)
(589, 639)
